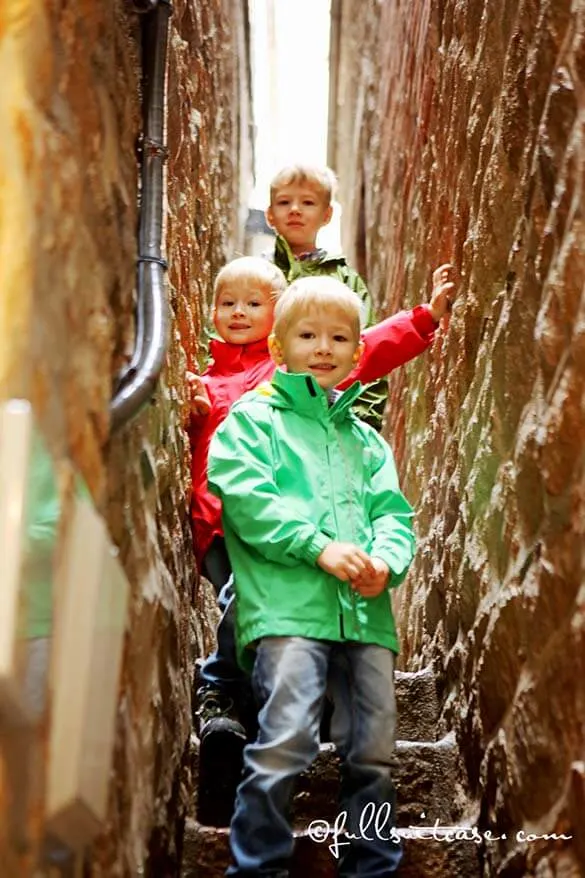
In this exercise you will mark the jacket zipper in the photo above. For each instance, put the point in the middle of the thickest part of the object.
(349, 485)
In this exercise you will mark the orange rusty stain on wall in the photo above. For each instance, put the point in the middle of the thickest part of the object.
(25, 134)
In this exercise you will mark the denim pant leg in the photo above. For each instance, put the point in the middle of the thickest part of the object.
(221, 669)
(289, 680)
(361, 683)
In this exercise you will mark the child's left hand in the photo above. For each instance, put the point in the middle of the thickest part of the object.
(370, 586)
(443, 291)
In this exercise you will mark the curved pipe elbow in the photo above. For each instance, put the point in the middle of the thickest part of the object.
(138, 384)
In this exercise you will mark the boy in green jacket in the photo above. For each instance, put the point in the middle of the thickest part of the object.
(317, 531)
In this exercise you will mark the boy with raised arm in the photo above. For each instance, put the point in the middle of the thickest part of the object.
(300, 206)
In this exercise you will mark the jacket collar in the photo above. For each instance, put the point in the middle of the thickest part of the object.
(228, 358)
(285, 259)
(300, 391)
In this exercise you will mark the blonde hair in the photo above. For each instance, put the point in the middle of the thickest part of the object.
(321, 293)
(321, 178)
(250, 268)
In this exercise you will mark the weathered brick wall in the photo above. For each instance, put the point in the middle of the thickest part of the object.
(70, 95)
(459, 136)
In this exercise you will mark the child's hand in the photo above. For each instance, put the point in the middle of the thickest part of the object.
(443, 291)
(345, 561)
(370, 586)
(198, 398)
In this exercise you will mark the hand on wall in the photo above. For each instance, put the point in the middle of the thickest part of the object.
(443, 291)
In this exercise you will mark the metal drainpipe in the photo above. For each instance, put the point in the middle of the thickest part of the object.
(138, 382)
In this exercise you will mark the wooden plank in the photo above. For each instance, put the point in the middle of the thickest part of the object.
(89, 634)
(29, 514)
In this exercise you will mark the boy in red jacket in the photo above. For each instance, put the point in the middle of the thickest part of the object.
(245, 294)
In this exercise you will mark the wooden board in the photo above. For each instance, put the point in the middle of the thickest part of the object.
(29, 517)
(89, 635)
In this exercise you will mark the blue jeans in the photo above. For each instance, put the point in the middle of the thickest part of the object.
(290, 677)
(221, 669)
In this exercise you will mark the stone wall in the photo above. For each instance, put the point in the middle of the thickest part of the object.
(70, 98)
(458, 134)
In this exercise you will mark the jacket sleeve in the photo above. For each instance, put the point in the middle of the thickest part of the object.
(390, 513)
(393, 342)
(241, 474)
(356, 283)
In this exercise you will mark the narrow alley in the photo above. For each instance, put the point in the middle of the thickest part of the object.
(140, 138)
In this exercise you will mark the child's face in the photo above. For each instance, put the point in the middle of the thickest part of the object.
(323, 343)
(297, 213)
(244, 312)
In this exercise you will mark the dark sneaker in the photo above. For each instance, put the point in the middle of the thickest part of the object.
(222, 739)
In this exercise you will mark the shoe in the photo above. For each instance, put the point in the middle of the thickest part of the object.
(222, 739)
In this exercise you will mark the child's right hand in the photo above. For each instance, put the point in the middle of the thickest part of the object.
(198, 399)
(443, 291)
(345, 561)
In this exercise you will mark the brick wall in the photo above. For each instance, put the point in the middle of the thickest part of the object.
(458, 135)
(70, 95)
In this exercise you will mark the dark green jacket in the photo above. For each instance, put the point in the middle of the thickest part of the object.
(323, 263)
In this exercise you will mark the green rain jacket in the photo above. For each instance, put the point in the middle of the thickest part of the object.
(294, 473)
(372, 400)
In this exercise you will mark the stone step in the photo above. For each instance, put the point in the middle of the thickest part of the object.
(417, 704)
(425, 775)
(428, 794)
(427, 857)
(206, 854)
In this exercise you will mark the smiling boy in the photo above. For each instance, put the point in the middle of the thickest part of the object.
(245, 294)
(243, 313)
(317, 531)
(320, 341)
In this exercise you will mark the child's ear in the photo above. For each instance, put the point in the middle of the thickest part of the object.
(269, 216)
(327, 215)
(275, 350)
(358, 352)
